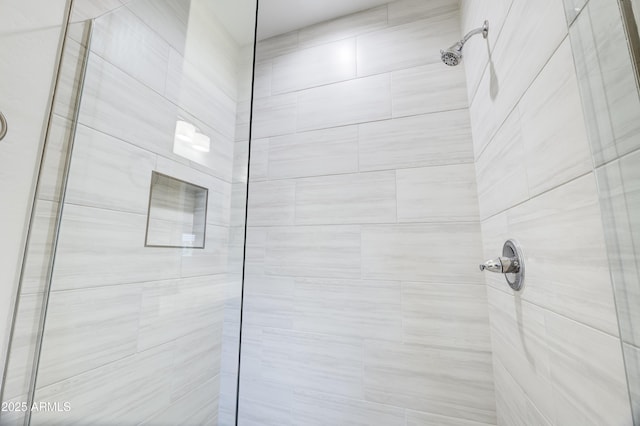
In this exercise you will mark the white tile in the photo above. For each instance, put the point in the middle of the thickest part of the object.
(315, 66)
(314, 153)
(404, 11)
(274, 115)
(437, 194)
(343, 27)
(407, 45)
(512, 403)
(553, 127)
(271, 203)
(120, 106)
(476, 51)
(594, 388)
(411, 376)
(259, 161)
(88, 328)
(416, 418)
(563, 243)
(306, 362)
(428, 88)
(501, 175)
(196, 361)
(606, 79)
(90, 9)
(147, 372)
(197, 407)
(349, 102)
(519, 342)
(448, 315)
(122, 39)
(314, 408)
(515, 62)
(94, 181)
(99, 247)
(619, 193)
(313, 251)
(212, 259)
(199, 89)
(262, 80)
(422, 252)
(174, 308)
(276, 46)
(168, 18)
(403, 142)
(632, 363)
(355, 308)
(268, 301)
(343, 199)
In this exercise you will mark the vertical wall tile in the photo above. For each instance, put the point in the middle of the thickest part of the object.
(428, 88)
(276, 46)
(99, 247)
(553, 127)
(412, 376)
(147, 372)
(409, 252)
(314, 408)
(407, 45)
(343, 27)
(566, 224)
(314, 66)
(272, 203)
(404, 11)
(75, 318)
(169, 19)
(454, 316)
(314, 153)
(434, 194)
(501, 184)
(314, 251)
(93, 180)
(403, 142)
(350, 102)
(343, 199)
(124, 40)
(275, 115)
(360, 309)
(619, 193)
(595, 387)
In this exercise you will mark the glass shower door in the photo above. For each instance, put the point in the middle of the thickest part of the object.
(142, 320)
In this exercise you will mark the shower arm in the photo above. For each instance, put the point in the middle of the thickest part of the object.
(484, 30)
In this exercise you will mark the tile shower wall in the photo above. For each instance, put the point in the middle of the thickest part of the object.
(363, 304)
(556, 349)
(122, 316)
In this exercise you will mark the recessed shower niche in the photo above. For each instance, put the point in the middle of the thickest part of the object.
(177, 213)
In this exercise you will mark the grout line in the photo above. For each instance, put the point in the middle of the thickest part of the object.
(537, 195)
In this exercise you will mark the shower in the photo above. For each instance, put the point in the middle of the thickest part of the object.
(453, 54)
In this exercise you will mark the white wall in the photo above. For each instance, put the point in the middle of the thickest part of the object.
(556, 347)
(363, 302)
(29, 43)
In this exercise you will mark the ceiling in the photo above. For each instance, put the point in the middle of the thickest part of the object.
(281, 16)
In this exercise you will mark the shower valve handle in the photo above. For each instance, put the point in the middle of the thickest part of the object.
(502, 265)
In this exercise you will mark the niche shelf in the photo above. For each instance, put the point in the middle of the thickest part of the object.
(177, 213)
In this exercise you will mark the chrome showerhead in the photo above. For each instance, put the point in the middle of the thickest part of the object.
(453, 55)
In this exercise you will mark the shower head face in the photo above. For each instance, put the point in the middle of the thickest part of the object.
(451, 57)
